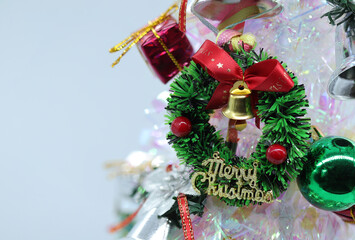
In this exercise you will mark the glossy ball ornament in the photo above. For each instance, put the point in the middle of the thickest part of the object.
(328, 178)
(181, 126)
(276, 154)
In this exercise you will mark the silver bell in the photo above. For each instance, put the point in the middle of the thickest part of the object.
(342, 82)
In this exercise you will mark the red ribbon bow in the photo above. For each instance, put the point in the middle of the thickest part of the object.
(268, 75)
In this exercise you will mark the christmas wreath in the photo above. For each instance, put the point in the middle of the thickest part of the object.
(280, 104)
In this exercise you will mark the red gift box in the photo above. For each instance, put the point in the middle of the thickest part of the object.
(165, 48)
(155, 54)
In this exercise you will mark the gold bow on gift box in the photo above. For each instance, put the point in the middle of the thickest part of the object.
(129, 42)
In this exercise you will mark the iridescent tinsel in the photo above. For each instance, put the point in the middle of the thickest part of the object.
(290, 217)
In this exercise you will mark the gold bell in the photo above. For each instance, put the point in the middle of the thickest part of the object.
(239, 104)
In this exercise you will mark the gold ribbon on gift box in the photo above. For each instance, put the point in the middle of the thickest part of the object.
(129, 42)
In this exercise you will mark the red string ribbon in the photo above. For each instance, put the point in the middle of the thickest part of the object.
(182, 16)
(126, 221)
(185, 217)
(268, 75)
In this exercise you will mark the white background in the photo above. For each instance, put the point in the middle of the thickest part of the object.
(65, 111)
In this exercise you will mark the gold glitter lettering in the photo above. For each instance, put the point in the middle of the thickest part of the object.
(245, 181)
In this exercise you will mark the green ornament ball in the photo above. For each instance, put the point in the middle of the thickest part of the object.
(328, 178)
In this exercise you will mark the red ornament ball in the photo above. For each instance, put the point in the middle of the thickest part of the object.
(276, 154)
(181, 126)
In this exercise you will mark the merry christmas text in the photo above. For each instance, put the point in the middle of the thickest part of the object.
(245, 181)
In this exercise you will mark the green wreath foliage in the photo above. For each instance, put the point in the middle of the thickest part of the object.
(343, 11)
(283, 114)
